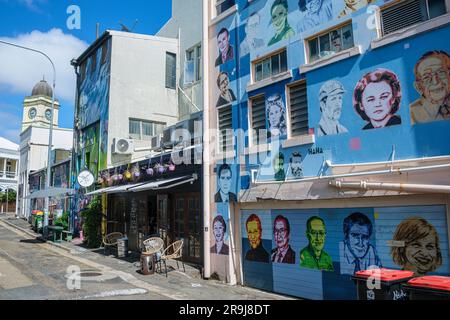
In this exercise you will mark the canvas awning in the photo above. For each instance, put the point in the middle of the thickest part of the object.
(165, 184)
(51, 192)
(112, 190)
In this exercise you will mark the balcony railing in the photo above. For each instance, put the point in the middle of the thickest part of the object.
(8, 174)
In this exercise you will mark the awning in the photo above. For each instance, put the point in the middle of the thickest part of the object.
(51, 192)
(112, 190)
(165, 184)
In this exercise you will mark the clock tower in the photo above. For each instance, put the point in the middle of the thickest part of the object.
(37, 107)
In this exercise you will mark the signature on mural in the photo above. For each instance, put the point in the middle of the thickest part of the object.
(421, 252)
(254, 234)
(377, 98)
(313, 256)
(357, 253)
(432, 73)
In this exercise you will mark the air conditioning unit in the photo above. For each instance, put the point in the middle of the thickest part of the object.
(156, 141)
(123, 146)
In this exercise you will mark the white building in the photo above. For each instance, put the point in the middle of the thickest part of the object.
(9, 166)
(34, 139)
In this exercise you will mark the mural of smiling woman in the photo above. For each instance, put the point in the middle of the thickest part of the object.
(279, 15)
(276, 115)
(377, 98)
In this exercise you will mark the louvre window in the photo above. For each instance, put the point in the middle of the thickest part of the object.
(331, 42)
(171, 70)
(144, 130)
(408, 13)
(298, 109)
(224, 5)
(226, 135)
(270, 66)
(258, 118)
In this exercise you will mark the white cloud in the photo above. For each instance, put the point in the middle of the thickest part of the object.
(10, 122)
(20, 69)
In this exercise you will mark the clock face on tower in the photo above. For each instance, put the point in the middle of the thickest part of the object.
(48, 114)
(32, 113)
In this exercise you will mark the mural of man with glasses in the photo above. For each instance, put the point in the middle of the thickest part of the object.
(357, 253)
(313, 256)
(432, 73)
(314, 13)
(283, 253)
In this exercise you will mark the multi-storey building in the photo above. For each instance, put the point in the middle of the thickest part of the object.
(9, 169)
(331, 157)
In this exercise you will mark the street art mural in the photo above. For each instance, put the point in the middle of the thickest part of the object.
(276, 116)
(350, 6)
(279, 22)
(377, 97)
(338, 243)
(295, 166)
(432, 82)
(225, 184)
(417, 246)
(313, 256)
(278, 167)
(226, 50)
(356, 251)
(227, 95)
(252, 41)
(331, 102)
(219, 227)
(314, 13)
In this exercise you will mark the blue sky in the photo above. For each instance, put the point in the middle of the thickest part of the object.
(42, 24)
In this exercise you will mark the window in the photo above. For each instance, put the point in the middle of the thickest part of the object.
(193, 65)
(331, 42)
(270, 66)
(298, 108)
(226, 135)
(144, 130)
(224, 5)
(171, 70)
(408, 13)
(258, 119)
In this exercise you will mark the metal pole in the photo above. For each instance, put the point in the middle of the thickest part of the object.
(7, 200)
(50, 134)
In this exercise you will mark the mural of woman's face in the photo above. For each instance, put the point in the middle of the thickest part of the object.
(279, 17)
(218, 231)
(224, 83)
(275, 113)
(225, 181)
(377, 100)
(254, 235)
(359, 239)
(422, 254)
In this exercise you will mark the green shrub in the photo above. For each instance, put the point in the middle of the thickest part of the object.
(63, 221)
(92, 220)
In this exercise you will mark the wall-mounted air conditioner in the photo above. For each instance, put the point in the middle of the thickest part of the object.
(123, 146)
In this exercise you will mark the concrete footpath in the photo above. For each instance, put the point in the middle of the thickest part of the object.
(178, 285)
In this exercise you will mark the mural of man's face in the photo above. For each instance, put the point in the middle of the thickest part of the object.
(224, 83)
(274, 114)
(377, 100)
(254, 235)
(422, 254)
(316, 235)
(356, 4)
(251, 29)
(332, 106)
(279, 164)
(281, 234)
(279, 17)
(218, 231)
(433, 80)
(296, 165)
(313, 6)
(358, 238)
(225, 181)
(223, 42)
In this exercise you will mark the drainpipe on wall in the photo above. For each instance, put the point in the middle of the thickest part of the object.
(402, 187)
(206, 149)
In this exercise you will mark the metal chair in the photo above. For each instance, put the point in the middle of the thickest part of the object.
(172, 252)
(110, 240)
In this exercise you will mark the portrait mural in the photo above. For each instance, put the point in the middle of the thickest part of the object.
(419, 250)
(252, 40)
(283, 252)
(219, 228)
(295, 166)
(256, 252)
(351, 6)
(276, 116)
(432, 82)
(226, 94)
(357, 253)
(226, 50)
(331, 96)
(376, 99)
(225, 184)
(314, 13)
(278, 167)
(279, 21)
(313, 256)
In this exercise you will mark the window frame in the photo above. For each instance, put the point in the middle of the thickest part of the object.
(196, 56)
(167, 85)
(328, 32)
(141, 128)
(269, 56)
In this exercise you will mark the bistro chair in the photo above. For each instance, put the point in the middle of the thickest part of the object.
(110, 240)
(152, 245)
(173, 252)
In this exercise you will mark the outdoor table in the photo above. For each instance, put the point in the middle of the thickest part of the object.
(55, 230)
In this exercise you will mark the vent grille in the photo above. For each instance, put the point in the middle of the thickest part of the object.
(226, 136)
(299, 109)
(403, 15)
(258, 117)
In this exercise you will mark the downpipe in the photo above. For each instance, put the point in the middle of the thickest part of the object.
(401, 187)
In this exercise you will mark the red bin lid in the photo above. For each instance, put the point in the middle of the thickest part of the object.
(385, 274)
(432, 282)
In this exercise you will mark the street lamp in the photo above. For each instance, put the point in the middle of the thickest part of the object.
(50, 134)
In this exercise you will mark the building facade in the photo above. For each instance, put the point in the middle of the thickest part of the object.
(9, 169)
(329, 157)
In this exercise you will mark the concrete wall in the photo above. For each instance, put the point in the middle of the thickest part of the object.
(137, 87)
